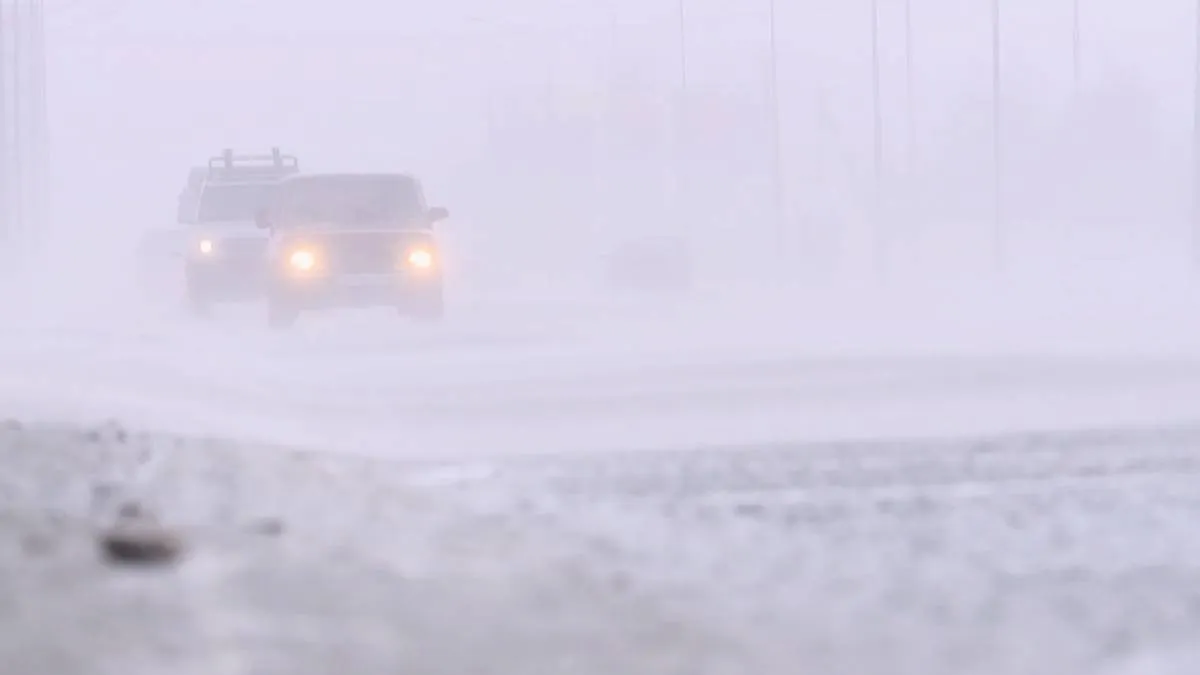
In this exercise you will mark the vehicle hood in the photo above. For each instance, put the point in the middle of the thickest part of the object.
(234, 230)
(363, 235)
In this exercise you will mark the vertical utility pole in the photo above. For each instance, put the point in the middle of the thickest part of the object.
(6, 224)
(1076, 58)
(881, 236)
(491, 103)
(998, 239)
(683, 45)
(679, 121)
(551, 109)
(604, 173)
(909, 83)
(913, 185)
(40, 123)
(613, 103)
(18, 124)
(1195, 186)
(614, 67)
(776, 142)
(1078, 158)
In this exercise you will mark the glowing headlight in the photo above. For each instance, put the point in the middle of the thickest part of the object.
(302, 260)
(205, 246)
(420, 258)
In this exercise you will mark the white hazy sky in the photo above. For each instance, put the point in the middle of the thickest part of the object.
(141, 89)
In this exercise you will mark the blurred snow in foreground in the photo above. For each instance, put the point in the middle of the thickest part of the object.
(1021, 555)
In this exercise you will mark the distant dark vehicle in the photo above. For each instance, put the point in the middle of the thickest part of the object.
(651, 264)
(351, 240)
(225, 252)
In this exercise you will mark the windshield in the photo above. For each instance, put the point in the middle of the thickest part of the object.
(227, 203)
(353, 201)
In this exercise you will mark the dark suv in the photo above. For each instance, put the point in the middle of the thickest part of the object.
(224, 251)
(351, 240)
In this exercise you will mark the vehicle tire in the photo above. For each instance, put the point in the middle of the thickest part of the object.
(281, 314)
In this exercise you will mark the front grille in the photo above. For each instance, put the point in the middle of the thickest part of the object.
(362, 253)
(376, 260)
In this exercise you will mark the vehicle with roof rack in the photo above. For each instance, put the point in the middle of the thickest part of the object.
(224, 253)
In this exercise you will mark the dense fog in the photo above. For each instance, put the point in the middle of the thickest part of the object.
(704, 371)
(553, 130)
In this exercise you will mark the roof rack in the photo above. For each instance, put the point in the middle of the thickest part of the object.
(230, 167)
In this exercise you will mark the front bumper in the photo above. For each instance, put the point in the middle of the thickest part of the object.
(358, 290)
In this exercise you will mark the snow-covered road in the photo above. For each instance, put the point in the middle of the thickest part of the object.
(696, 486)
(585, 371)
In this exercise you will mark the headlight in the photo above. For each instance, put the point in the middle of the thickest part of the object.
(420, 258)
(302, 260)
(206, 246)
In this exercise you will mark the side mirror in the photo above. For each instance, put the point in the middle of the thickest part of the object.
(263, 219)
(438, 213)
